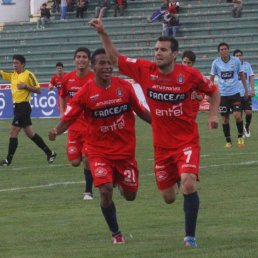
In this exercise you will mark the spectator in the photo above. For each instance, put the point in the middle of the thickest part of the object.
(170, 24)
(70, 5)
(63, 9)
(174, 4)
(56, 6)
(105, 4)
(119, 5)
(81, 7)
(237, 9)
(165, 5)
(44, 16)
(157, 16)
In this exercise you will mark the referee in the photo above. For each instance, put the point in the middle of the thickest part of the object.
(23, 82)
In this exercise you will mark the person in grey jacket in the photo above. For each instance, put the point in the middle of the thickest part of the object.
(105, 4)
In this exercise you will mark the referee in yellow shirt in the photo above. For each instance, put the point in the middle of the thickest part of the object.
(23, 83)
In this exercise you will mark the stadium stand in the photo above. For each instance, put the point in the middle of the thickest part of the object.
(204, 24)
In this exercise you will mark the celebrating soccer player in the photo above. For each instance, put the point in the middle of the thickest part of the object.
(167, 87)
(107, 104)
(77, 133)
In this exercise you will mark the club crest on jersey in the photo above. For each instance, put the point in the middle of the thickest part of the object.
(180, 79)
(120, 92)
(232, 65)
(154, 77)
(94, 98)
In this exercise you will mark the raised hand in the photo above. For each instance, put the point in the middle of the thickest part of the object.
(97, 22)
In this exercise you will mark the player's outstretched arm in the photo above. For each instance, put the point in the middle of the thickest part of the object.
(212, 78)
(251, 78)
(146, 116)
(111, 51)
(62, 104)
(60, 128)
(213, 120)
(50, 86)
(242, 76)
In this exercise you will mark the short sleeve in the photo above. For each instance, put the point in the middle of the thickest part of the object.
(6, 75)
(33, 81)
(74, 109)
(213, 68)
(133, 68)
(203, 84)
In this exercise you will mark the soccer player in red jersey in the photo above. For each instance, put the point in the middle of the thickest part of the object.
(167, 87)
(56, 81)
(107, 104)
(188, 59)
(77, 133)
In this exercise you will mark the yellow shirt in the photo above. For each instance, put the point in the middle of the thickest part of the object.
(26, 77)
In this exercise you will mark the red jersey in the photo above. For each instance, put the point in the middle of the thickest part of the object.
(56, 81)
(110, 118)
(169, 99)
(70, 85)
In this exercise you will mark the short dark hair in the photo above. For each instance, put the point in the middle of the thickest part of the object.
(21, 58)
(237, 51)
(59, 64)
(44, 4)
(82, 49)
(172, 40)
(190, 55)
(222, 44)
(97, 52)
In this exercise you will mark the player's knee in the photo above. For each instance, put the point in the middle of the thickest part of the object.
(85, 161)
(189, 186)
(130, 196)
(238, 116)
(169, 199)
(75, 164)
(188, 183)
(106, 191)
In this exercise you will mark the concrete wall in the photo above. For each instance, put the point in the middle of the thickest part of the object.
(15, 11)
(35, 5)
(19, 10)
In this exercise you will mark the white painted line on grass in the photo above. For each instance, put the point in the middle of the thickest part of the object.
(232, 164)
(36, 167)
(83, 182)
(40, 186)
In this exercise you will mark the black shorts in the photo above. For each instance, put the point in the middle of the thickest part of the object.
(22, 113)
(246, 104)
(228, 103)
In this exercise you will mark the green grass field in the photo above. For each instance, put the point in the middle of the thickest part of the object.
(42, 213)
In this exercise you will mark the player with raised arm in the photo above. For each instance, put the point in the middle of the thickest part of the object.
(246, 103)
(77, 133)
(227, 68)
(107, 104)
(23, 83)
(167, 87)
(56, 82)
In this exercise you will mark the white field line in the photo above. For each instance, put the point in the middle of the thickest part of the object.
(82, 182)
(40, 186)
(219, 154)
